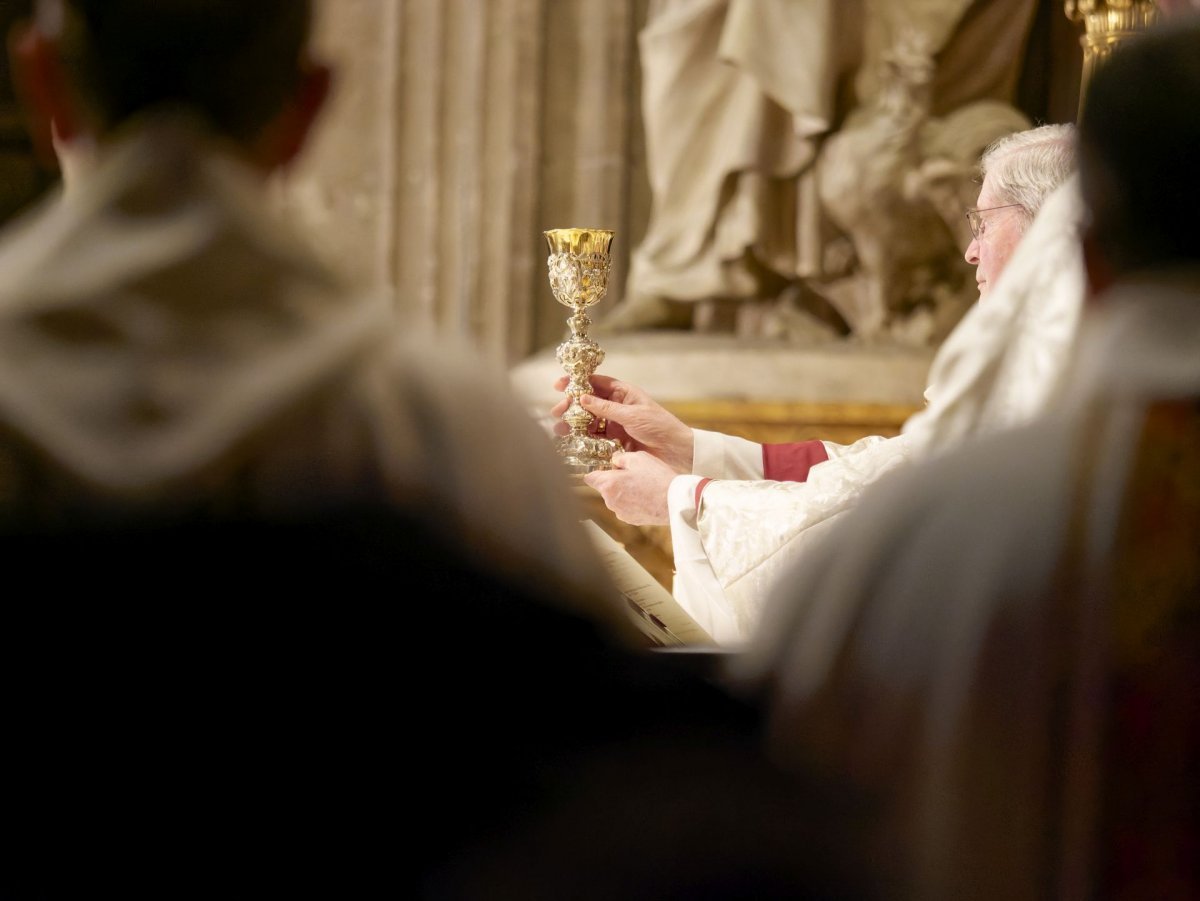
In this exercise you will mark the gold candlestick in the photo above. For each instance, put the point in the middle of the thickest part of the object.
(1107, 25)
(579, 263)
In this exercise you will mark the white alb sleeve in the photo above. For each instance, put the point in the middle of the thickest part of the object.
(695, 586)
(719, 456)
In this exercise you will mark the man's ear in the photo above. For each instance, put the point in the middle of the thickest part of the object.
(286, 135)
(42, 89)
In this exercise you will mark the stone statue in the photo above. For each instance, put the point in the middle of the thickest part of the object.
(810, 160)
(895, 181)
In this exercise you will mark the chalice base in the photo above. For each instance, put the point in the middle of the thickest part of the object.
(583, 454)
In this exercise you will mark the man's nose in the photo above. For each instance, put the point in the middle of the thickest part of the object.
(972, 254)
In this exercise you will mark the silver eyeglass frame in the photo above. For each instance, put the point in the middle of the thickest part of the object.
(975, 220)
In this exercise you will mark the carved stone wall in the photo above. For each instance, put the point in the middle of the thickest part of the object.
(461, 129)
(344, 186)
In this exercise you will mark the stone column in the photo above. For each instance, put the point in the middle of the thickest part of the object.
(467, 157)
(343, 188)
(459, 131)
(592, 138)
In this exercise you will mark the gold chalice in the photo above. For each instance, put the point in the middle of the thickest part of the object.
(579, 263)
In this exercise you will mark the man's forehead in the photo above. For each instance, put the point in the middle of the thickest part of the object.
(987, 197)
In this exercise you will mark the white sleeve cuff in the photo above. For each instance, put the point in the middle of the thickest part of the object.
(720, 456)
(695, 587)
(681, 500)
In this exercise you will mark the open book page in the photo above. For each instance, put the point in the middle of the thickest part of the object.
(646, 596)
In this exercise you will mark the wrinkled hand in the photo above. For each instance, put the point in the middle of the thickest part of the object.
(634, 419)
(635, 489)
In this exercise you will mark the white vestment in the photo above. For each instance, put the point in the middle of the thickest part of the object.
(167, 346)
(998, 368)
(921, 650)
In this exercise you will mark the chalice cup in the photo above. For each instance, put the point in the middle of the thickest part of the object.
(579, 264)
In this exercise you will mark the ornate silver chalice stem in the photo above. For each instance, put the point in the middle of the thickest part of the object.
(579, 263)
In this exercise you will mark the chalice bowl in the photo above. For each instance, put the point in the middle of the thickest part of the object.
(579, 263)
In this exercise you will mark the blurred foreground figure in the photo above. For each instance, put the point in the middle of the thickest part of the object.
(169, 349)
(1003, 648)
(293, 734)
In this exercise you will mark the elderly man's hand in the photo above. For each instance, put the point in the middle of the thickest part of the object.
(634, 419)
(635, 489)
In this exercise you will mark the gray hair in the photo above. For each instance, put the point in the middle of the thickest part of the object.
(1026, 166)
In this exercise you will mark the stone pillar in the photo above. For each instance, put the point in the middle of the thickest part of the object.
(467, 156)
(459, 131)
(594, 166)
(342, 189)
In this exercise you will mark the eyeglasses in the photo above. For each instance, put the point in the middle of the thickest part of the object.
(976, 220)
